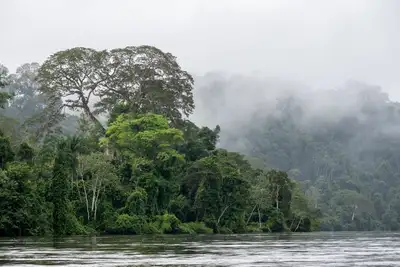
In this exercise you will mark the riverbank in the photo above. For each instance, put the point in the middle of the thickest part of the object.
(125, 224)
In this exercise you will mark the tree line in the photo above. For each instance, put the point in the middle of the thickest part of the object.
(100, 141)
(341, 145)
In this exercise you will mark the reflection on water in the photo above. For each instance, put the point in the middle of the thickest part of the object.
(308, 249)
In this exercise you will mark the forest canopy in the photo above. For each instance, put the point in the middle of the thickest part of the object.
(111, 142)
(341, 145)
(101, 141)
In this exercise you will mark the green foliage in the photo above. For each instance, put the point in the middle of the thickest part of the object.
(25, 153)
(341, 145)
(96, 173)
(6, 153)
(148, 142)
(146, 136)
(195, 228)
(221, 191)
(26, 108)
(60, 188)
(24, 210)
(129, 224)
(77, 190)
(161, 224)
(330, 165)
(135, 79)
(4, 98)
(167, 223)
(137, 201)
(150, 171)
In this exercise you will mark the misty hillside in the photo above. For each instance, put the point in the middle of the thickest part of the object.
(287, 156)
(343, 144)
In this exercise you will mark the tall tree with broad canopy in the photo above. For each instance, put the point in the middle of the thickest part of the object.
(147, 80)
(141, 79)
(73, 75)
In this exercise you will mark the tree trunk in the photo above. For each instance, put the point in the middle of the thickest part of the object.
(248, 219)
(222, 213)
(97, 200)
(354, 212)
(291, 224)
(86, 199)
(89, 113)
(277, 197)
(93, 199)
(298, 225)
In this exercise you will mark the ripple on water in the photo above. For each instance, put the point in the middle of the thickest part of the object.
(314, 249)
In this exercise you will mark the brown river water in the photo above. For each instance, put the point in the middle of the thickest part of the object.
(307, 249)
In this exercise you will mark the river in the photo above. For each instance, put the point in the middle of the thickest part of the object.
(306, 249)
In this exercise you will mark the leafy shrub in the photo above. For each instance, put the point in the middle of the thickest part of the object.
(128, 224)
(167, 223)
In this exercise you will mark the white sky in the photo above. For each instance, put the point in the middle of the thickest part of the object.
(321, 42)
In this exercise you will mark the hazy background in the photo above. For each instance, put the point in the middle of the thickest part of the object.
(322, 43)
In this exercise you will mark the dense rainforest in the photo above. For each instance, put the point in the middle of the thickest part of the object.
(101, 142)
(341, 145)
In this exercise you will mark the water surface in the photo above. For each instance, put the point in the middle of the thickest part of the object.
(307, 249)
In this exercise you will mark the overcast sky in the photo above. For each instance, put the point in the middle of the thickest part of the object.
(323, 43)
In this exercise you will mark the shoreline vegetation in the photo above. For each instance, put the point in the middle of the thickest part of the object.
(104, 141)
(146, 170)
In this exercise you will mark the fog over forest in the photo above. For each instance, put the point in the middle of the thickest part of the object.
(308, 88)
